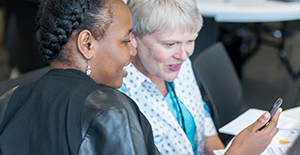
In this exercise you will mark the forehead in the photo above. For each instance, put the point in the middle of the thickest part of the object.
(121, 16)
(178, 33)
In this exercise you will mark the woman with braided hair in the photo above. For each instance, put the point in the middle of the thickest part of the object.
(75, 108)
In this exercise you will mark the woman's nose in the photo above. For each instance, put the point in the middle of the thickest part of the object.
(183, 53)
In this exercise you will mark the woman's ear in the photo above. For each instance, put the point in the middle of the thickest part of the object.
(133, 39)
(84, 43)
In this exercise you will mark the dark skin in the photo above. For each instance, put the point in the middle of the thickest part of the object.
(107, 56)
(250, 141)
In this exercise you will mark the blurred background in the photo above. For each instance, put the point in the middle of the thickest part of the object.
(254, 49)
(266, 60)
(18, 45)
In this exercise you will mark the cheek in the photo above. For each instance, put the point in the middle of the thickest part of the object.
(121, 56)
(191, 49)
(109, 66)
(161, 55)
(153, 55)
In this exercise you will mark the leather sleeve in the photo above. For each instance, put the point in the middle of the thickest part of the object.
(4, 99)
(110, 126)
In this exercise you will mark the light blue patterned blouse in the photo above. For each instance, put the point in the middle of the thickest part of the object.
(182, 115)
(169, 137)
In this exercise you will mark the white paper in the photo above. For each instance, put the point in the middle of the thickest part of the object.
(288, 129)
(293, 113)
(286, 121)
(241, 122)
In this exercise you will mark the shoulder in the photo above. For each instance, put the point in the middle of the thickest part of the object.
(107, 97)
(106, 101)
(4, 100)
(110, 114)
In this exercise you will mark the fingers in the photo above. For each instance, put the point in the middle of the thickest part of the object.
(262, 120)
(273, 133)
(273, 122)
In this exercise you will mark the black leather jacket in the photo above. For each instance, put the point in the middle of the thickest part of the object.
(111, 114)
(110, 123)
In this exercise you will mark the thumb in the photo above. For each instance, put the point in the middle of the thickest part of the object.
(261, 121)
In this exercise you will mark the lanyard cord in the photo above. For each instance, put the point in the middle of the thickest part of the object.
(181, 120)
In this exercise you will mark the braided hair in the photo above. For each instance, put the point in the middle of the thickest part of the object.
(58, 19)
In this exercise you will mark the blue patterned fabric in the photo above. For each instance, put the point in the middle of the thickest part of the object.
(169, 137)
(186, 118)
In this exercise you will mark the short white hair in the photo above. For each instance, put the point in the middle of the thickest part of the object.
(149, 16)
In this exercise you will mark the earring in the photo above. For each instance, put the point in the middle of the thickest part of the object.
(88, 69)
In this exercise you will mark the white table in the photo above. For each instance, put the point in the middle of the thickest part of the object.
(249, 10)
(293, 112)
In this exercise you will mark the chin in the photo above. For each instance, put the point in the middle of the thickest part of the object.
(118, 84)
(117, 87)
(170, 78)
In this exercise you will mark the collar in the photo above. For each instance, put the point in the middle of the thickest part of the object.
(135, 79)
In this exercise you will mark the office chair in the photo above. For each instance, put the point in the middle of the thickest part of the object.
(23, 79)
(219, 84)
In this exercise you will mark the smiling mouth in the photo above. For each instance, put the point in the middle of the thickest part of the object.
(174, 67)
(124, 70)
(127, 64)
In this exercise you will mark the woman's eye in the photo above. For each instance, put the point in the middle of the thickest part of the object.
(170, 44)
(127, 41)
(191, 41)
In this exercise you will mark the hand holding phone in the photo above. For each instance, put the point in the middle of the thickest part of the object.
(272, 111)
